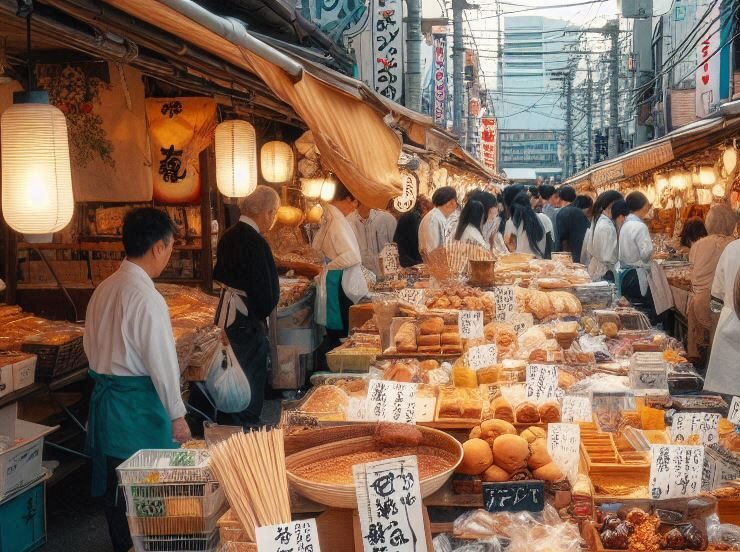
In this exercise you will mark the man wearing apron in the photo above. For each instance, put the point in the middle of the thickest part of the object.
(136, 403)
(250, 291)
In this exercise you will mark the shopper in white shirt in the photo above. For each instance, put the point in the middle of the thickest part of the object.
(636, 254)
(136, 403)
(527, 231)
(373, 229)
(433, 231)
(471, 221)
(602, 244)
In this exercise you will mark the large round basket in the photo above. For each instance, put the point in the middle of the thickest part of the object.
(360, 439)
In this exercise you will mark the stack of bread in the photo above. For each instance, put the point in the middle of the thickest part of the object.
(547, 305)
(461, 298)
(525, 412)
(497, 453)
(428, 337)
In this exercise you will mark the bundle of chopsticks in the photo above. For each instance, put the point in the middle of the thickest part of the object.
(251, 469)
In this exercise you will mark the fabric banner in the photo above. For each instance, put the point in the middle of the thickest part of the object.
(388, 48)
(104, 107)
(440, 79)
(488, 141)
(179, 129)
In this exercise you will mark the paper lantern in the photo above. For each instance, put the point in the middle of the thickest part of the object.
(729, 159)
(718, 191)
(315, 214)
(328, 189)
(660, 183)
(679, 181)
(36, 172)
(289, 216)
(276, 162)
(707, 176)
(236, 158)
(311, 187)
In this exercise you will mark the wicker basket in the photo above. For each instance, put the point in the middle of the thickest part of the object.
(332, 442)
(343, 359)
(56, 360)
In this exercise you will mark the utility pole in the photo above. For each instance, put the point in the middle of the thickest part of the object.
(612, 29)
(458, 65)
(567, 78)
(413, 51)
(589, 113)
(499, 78)
(642, 42)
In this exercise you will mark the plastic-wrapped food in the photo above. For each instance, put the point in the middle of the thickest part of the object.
(445, 543)
(722, 536)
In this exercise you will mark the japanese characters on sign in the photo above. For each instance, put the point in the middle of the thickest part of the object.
(708, 72)
(521, 321)
(389, 257)
(514, 496)
(439, 69)
(388, 48)
(406, 201)
(470, 324)
(577, 409)
(542, 382)
(563, 444)
(505, 305)
(296, 536)
(702, 424)
(482, 356)
(488, 141)
(734, 413)
(389, 504)
(675, 471)
(389, 401)
(412, 296)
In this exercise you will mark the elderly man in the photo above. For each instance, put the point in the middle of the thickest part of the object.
(136, 403)
(246, 270)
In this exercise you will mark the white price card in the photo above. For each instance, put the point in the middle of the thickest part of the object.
(505, 303)
(563, 444)
(389, 504)
(577, 409)
(542, 382)
(412, 296)
(734, 414)
(389, 401)
(675, 471)
(482, 356)
(703, 424)
(521, 321)
(296, 536)
(470, 324)
(389, 258)
(356, 409)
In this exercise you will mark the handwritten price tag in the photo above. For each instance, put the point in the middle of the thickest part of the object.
(703, 424)
(521, 321)
(734, 415)
(542, 382)
(412, 296)
(577, 409)
(675, 471)
(482, 356)
(389, 257)
(505, 305)
(470, 324)
(299, 536)
(563, 444)
(389, 401)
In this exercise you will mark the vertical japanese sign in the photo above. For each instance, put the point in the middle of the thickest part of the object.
(675, 471)
(439, 73)
(389, 504)
(406, 201)
(470, 324)
(542, 382)
(389, 401)
(296, 536)
(707, 75)
(389, 259)
(388, 48)
(577, 409)
(488, 141)
(563, 444)
(505, 304)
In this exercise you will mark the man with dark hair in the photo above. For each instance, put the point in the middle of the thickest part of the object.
(433, 227)
(571, 224)
(551, 205)
(136, 403)
(407, 233)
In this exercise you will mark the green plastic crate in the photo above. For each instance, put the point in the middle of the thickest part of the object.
(23, 520)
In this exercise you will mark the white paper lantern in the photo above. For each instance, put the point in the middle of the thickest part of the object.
(729, 159)
(311, 187)
(236, 158)
(707, 176)
(276, 162)
(679, 180)
(328, 189)
(36, 172)
(660, 183)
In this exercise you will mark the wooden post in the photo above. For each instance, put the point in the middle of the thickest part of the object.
(207, 182)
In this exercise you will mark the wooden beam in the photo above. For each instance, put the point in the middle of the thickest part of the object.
(11, 264)
(207, 183)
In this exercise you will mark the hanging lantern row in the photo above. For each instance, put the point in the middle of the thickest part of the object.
(322, 188)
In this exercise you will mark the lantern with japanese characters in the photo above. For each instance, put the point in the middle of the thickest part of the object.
(236, 158)
(276, 162)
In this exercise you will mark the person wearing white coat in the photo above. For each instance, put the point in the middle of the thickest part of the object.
(602, 244)
(433, 230)
(636, 254)
(471, 221)
(373, 229)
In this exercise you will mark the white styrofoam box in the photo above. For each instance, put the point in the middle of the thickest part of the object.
(24, 372)
(6, 380)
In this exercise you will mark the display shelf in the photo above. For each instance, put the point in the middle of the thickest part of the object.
(20, 394)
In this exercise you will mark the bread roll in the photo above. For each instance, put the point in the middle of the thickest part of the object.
(405, 338)
(527, 413)
(501, 409)
(477, 457)
(398, 435)
(427, 365)
(429, 349)
(428, 340)
(475, 433)
(399, 372)
(494, 474)
(533, 433)
(431, 326)
(548, 472)
(491, 429)
(538, 455)
(549, 412)
(452, 349)
(510, 452)
(450, 338)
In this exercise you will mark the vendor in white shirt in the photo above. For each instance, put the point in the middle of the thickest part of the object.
(341, 283)
(373, 229)
(602, 244)
(433, 230)
(636, 254)
(469, 229)
(136, 403)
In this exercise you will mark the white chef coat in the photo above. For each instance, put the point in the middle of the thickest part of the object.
(128, 332)
(432, 231)
(493, 237)
(472, 235)
(372, 234)
(636, 248)
(337, 242)
(522, 240)
(603, 248)
(723, 374)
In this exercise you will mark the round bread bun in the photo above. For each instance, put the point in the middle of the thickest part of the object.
(475, 433)
(477, 457)
(510, 452)
(533, 433)
(538, 455)
(491, 429)
(548, 472)
(494, 474)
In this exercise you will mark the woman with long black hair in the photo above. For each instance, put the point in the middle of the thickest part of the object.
(469, 229)
(527, 231)
(603, 245)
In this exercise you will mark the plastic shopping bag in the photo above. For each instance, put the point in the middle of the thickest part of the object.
(227, 384)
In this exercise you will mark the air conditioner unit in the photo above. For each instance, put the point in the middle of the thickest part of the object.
(635, 9)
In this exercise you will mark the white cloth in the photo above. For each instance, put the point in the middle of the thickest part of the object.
(636, 248)
(723, 375)
(585, 255)
(337, 242)
(128, 332)
(372, 234)
(493, 237)
(603, 248)
(472, 235)
(432, 231)
(659, 288)
(522, 240)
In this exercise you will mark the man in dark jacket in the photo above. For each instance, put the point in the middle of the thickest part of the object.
(407, 233)
(246, 270)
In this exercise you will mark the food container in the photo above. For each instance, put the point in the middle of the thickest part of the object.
(24, 372)
(55, 360)
(482, 273)
(200, 542)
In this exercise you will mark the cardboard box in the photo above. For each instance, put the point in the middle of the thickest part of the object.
(6, 380)
(24, 372)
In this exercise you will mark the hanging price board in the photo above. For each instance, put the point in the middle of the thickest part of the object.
(389, 401)
(470, 324)
(505, 304)
(703, 424)
(675, 471)
(542, 382)
(296, 536)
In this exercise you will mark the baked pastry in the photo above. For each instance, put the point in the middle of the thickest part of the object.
(491, 429)
(510, 452)
(501, 409)
(433, 325)
(538, 455)
(452, 349)
(548, 472)
(450, 338)
(533, 433)
(610, 329)
(398, 435)
(494, 474)
(527, 413)
(489, 374)
(431, 340)
(400, 372)
(459, 403)
(549, 412)
(477, 457)
(429, 349)
(475, 433)
(326, 399)
(427, 365)
(405, 338)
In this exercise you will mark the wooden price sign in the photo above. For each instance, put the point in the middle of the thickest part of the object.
(296, 536)
(514, 496)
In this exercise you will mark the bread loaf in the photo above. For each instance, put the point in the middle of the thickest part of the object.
(477, 457)
(433, 325)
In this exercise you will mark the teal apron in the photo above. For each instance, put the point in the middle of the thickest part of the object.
(333, 310)
(619, 277)
(126, 415)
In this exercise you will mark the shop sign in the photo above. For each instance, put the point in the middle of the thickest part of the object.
(488, 141)
(607, 175)
(708, 73)
(439, 68)
(514, 496)
(644, 161)
(542, 382)
(563, 445)
(470, 324)
(703, 424)
(734, 413)
(675, 471)
(389, 505)
(482, 356)
(296, 536)
(406, 201)
(388, 48)
(577, 409)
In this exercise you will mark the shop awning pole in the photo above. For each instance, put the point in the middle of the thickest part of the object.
(234, 31)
